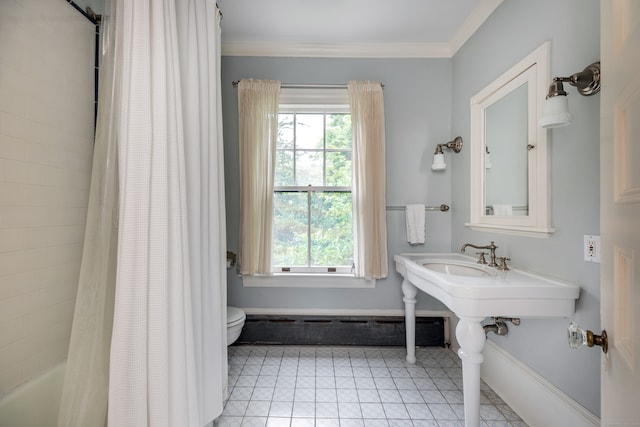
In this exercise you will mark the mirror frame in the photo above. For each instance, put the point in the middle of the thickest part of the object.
(533, 70)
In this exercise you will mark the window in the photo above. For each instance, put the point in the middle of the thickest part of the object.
(312, 207)
(315, 159)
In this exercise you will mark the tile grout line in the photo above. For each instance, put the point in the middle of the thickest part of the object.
(440, 363)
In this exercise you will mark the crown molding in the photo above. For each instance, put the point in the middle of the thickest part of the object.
(472, 23)
(342, 50)
(368, 50)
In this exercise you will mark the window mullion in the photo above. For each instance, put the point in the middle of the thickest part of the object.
(295, 143)
(324, 150)
(296, 189)
(308, 228)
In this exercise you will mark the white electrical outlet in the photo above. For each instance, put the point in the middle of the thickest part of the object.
(592, 248)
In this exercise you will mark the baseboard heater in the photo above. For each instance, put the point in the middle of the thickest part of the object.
(339, 330)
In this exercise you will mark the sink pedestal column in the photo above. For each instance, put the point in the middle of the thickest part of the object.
(410, 292)
(471, 338)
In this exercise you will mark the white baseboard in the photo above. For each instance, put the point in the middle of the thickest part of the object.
(538, 402)
(341, 312)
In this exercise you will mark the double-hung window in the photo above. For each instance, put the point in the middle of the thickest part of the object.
(312, 203)
(312, 185)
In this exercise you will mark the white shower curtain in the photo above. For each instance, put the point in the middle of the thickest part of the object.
(168, 350)
(86, 383)
(160, 107)
(199, 49)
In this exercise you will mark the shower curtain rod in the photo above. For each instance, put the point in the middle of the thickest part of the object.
(308, 85)
(89, 14)
(95, 20)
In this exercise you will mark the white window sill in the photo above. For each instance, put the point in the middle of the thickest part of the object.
(300, 280)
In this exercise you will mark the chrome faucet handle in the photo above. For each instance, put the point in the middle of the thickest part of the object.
(481, 259)
(503, 263)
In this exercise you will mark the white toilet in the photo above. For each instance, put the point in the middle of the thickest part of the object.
(235, 322)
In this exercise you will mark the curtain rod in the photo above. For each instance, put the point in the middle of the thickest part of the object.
(96, 20)
(308, 85)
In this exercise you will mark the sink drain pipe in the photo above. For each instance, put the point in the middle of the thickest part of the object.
(499, 326)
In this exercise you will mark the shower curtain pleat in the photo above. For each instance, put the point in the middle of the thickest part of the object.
(202, 104)
(86, 383)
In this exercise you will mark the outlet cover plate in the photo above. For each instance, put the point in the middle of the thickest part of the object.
(591, 248)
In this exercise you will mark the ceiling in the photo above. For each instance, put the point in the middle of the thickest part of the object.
(350, 28)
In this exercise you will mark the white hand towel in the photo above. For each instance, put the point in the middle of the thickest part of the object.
(502, 210)
(415, 224)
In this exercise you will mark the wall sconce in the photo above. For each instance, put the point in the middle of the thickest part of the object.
(556, 107)
(438, 156)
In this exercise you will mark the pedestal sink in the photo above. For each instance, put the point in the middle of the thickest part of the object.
(474, 292)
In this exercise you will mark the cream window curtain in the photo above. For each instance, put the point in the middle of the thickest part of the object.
(369, 212)
(258, 103)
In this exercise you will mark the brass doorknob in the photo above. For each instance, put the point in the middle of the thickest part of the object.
(579, 337)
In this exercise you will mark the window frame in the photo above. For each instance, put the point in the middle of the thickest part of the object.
(314, 101)
(311, 100)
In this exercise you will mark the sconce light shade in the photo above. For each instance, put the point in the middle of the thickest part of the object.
(438, 162)
(556, 112)
(556, 107)
(438, 156)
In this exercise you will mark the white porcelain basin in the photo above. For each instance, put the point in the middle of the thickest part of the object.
(458, 269)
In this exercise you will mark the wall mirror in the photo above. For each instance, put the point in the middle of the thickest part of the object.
(509, 156)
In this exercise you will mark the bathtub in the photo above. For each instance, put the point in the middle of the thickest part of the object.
(34, 403)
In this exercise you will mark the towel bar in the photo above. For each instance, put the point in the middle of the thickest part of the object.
(441, 208)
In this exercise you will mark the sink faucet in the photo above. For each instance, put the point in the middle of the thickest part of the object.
(491, 247)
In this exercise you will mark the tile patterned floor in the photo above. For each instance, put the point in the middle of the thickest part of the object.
(351, 386)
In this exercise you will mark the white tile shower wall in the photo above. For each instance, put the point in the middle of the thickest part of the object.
(46, 147)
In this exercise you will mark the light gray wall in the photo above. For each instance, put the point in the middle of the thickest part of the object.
(515, 29)
(427, 102)
(417, 96)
